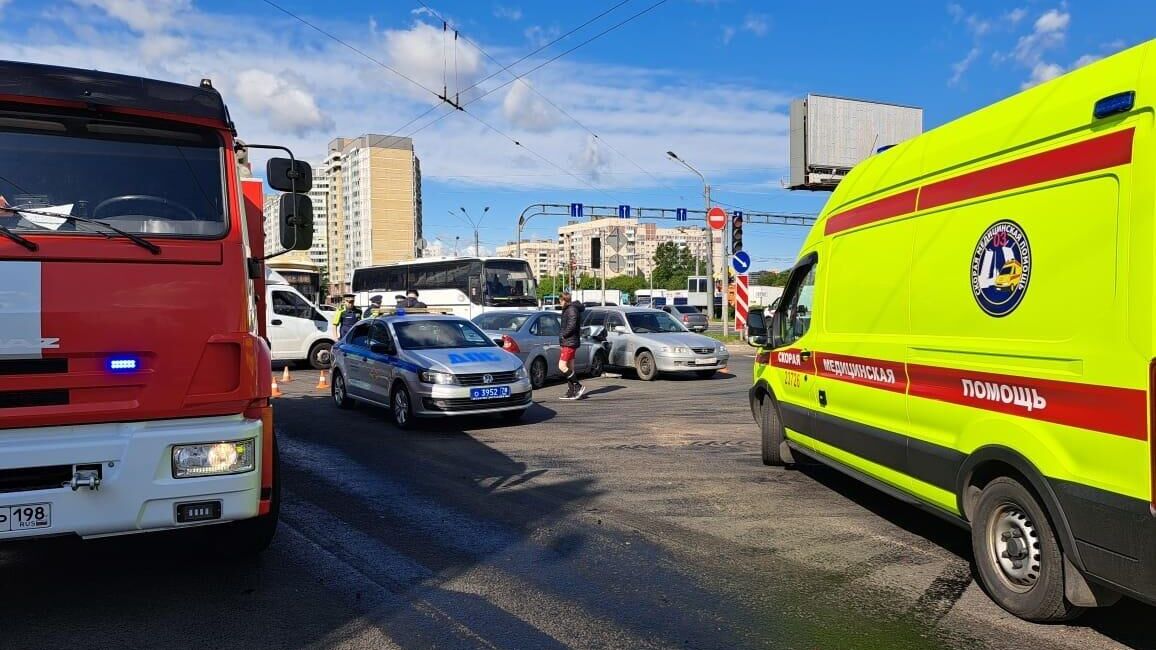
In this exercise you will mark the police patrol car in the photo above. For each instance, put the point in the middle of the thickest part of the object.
(926, 344)
(420, 364)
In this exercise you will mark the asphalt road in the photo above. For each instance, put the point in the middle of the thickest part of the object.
(640, 517)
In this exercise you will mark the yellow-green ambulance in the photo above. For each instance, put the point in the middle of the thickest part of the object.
(971, 327)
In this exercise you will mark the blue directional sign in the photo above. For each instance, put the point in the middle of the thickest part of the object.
(576, 210)
(680, 214)
(741, 262)
(624, 212)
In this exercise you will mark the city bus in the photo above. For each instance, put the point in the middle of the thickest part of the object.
(467, 286)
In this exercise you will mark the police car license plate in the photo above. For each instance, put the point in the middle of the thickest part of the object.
(28, 517)
(491, 392)
(706, 362)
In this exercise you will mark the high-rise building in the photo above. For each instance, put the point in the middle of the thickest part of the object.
(627, 247)
(374, 204)
(542, 254)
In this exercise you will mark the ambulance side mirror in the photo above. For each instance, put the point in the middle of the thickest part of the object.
(775, 336)
(756, 329)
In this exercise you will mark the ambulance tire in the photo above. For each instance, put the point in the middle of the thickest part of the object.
(774, 436)
(1034, 591)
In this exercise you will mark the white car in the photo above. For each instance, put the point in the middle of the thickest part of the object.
(297, 329)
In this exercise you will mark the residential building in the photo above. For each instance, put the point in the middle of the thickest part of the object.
(542, 254)
(628, 247)
(374, 204)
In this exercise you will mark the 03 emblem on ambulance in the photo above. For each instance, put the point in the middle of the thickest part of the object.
(1000, 268)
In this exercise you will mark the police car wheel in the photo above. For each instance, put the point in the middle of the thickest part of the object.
(644, 365)
(1018, 558)
(538, 373)
(339, 392)
(773, 435)
(401, 407)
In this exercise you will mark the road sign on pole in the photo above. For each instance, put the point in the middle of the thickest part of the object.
(741, 262)
(624, 212)
(717, 218)
(742, 281)
(680, 214)
(576, 210)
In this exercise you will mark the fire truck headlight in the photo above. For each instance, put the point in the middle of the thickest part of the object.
(214, 458)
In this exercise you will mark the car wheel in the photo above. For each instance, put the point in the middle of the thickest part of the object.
(538, 373)
(1017, 556)
(340, 393)
(321, 355)
(705, 374)
(402, 407)
(598, 364)
(644, 364)
(773, 434)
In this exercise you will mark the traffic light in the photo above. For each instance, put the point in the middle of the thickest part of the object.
(595, 252)
(737, 232)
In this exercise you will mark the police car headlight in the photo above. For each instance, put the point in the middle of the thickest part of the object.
(520, 373)
(214, 458)
(435, 377)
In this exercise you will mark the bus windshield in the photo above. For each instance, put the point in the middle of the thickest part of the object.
(146, 180)
(509, 283)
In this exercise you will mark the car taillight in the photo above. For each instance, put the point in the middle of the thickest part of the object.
(763, 357)
(510, 345)
(685, 318)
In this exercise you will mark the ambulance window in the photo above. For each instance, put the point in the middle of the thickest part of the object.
(799, 300)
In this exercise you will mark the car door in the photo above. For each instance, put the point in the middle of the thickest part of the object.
(379, 371)
(293, 324)
(545, 331)
(793, 358)
(355, 350)
(619, 341)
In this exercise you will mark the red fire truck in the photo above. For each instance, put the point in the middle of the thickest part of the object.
(134, 370)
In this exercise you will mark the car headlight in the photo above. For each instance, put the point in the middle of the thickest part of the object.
(214, 458)
(435, 377)
(520, 373)
(674, 350)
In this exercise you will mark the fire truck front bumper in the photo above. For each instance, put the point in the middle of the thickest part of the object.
(118, 478)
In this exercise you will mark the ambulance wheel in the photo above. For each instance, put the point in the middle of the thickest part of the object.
(340, 392)
(645, 366)
(1016, 553)
(401, 407)
(774, 438)
(321, 355)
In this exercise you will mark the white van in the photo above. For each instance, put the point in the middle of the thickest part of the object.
(298, 330)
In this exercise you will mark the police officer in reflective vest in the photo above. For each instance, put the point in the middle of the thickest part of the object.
(347, 316)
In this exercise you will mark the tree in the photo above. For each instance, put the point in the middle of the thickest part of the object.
(774, 278)
(672, 265)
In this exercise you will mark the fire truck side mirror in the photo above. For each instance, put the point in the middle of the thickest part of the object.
(286, 175)
(296, 222)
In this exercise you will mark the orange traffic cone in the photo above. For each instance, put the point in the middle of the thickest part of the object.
(276, 390)
(285, 376)
(322, 382)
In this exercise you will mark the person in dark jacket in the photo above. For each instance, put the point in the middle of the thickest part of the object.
(570, 338)
(411, 300)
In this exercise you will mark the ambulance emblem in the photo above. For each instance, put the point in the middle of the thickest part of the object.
(1000, 268)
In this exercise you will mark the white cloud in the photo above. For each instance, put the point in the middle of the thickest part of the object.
(1053, 21)
(1042, 72)
(425, 54)
(523, 108)
(422, 11)
(959, 68)
(509, 13)
(728, 34)
(1016, 15)
(141, 15)
(1085, 60)
(2, 4)
(956, 11)
(539, 36)
(592, 159)
(286, 106)
(756, 24)
(159, 46)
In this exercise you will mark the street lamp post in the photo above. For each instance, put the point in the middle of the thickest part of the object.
(710, 248)
(474, 225)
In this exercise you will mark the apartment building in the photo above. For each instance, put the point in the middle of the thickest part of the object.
(542, 254)
(627, 247)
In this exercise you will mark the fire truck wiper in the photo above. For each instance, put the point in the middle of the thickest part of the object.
(136, 239)
(30, 245)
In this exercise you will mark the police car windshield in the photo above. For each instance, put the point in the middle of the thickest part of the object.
(440, 335)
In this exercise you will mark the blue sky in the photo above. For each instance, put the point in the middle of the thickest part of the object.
(710, 79)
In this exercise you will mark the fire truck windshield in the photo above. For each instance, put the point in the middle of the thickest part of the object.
(145, 180)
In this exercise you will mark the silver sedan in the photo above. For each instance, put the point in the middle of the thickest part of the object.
(651, 341)
(533, 337)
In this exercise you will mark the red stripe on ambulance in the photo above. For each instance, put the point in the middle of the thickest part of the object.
(875, 373)
(792, 359)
